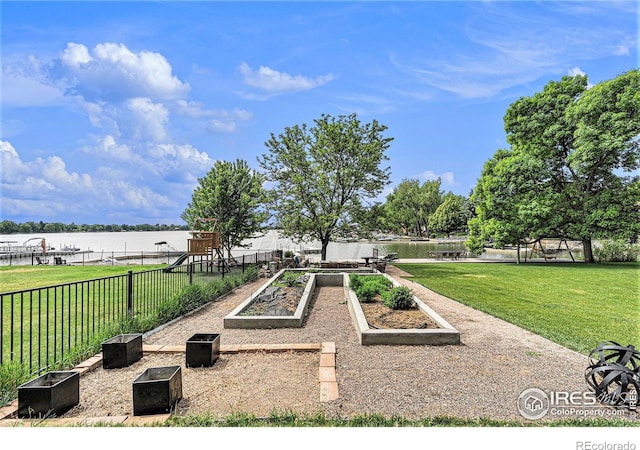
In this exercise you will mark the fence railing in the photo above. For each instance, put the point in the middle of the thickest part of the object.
(40, 326)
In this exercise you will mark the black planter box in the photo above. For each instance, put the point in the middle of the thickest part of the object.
(50, 394)
(157, 390)
(203, 350)
(121, 350)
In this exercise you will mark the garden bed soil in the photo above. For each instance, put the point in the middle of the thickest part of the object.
(284, 303)
(382, 317)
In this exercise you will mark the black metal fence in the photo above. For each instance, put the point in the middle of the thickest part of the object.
(40, 326)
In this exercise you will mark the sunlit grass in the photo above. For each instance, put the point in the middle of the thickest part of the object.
(576, 305)
(16, 278)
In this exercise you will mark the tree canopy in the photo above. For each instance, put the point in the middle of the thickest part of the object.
(322, 174)
(569, 170)
(232, 193)
(410, 205)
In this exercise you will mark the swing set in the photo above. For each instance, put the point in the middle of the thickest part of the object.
(546, 252)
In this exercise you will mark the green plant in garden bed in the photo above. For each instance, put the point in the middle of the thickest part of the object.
(399, 297)
(366, 287)
(290, 278)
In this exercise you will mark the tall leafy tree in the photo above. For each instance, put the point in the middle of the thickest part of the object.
(410, 205)
(321, 174)
(431, 197)
(402, 206)
(234, 194)
(450, 216)
(512, 206)
(584, 146)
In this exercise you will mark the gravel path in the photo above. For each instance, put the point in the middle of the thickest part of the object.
(483, 377)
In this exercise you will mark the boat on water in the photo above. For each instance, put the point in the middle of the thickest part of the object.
(33, 245)
(386, 237)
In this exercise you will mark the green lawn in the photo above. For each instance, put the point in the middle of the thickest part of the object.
(576, 305)
(16, 278)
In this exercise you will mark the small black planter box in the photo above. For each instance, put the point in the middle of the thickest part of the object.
(50, 394)
(157, 390)
(121, 350)
(203, 350)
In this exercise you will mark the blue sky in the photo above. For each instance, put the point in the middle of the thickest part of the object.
(110, 112)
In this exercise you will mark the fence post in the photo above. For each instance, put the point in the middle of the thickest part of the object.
(130, 293)
(190, 270)
(242, 263)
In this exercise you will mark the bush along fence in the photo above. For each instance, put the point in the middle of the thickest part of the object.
(54, 326)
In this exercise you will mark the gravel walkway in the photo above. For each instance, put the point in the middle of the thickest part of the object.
(483, 377)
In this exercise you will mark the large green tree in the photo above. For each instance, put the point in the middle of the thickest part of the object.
(451, 215)
(234, 194)
(579, 147)
(512, 206)
(410, 205)
(321, 175)
(401, 206)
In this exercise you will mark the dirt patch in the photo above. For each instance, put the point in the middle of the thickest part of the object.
(250, 382)
(382, 317)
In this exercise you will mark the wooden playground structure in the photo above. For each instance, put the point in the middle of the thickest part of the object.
(205, 244)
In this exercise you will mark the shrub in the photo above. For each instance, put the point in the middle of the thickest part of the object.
(616, 251)
(290, 278)
(355, 281)
(367, 287)
(367, 292)
(250, 273)
(399, 297)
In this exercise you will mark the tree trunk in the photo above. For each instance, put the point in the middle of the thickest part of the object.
(587, 250)
(518, 254)
(323, 252)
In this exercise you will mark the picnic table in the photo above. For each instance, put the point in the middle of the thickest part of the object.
(447, 254)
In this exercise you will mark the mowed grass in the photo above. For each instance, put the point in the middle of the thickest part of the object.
(17, 278)
(576, 305)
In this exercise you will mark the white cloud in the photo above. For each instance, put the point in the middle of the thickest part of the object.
(275, 82)
(149, 119)
(114, 72)
(446, 178)
(505, 48)
(222, 120)
(75, 55)
(108, 148)
(227, 121)
(42, 178)
(575, 71)
(45, 187)
(622, 50)
(178, 163)
(24, 84)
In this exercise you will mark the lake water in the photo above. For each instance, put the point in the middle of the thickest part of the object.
(105, 246)
(98, 246)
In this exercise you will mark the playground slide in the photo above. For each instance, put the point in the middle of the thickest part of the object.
(176, 263)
